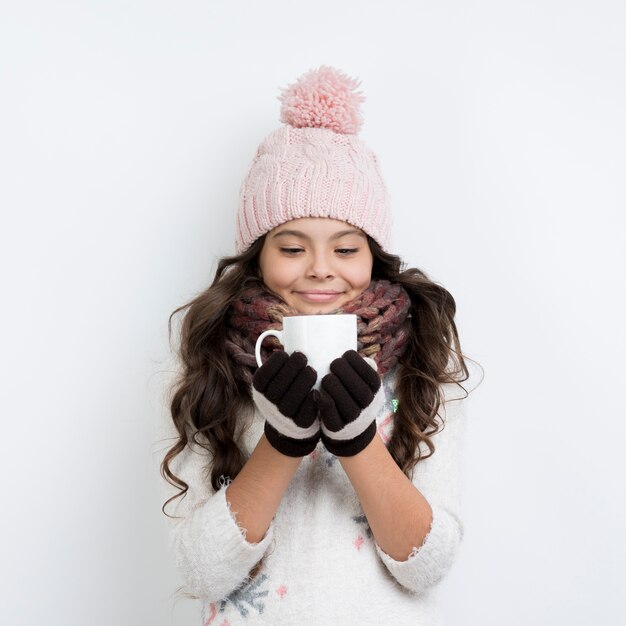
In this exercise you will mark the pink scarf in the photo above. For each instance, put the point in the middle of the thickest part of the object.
(383, 324)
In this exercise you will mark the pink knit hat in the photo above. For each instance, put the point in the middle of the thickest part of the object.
(315, 165)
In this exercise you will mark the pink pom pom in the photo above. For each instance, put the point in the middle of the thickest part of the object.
(323, 98)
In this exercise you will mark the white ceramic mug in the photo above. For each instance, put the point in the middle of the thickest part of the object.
(321, 338)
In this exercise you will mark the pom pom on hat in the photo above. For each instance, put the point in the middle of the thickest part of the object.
(323, 98)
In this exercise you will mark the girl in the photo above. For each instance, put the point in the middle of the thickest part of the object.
(299, 506)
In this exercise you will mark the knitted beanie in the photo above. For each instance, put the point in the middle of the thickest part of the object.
(315, 165)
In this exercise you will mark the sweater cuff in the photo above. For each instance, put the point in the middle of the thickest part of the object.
(429, 563)
(236, 534)
(211, 550)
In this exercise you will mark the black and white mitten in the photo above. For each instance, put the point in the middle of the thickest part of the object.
(282, 389)
(350, 399)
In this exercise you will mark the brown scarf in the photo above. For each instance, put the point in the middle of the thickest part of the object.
(383, 324)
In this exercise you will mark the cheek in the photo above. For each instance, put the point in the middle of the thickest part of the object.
(277, 275)
(365, 281)
(363, 276)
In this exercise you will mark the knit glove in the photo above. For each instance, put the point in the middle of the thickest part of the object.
(282, 389)
(350, 398)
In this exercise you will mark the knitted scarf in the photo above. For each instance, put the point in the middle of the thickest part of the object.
(383, 324)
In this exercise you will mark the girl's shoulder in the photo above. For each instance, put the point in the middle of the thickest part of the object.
(454, 395)
(452, 391)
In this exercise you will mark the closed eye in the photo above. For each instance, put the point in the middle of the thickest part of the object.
(340, 251)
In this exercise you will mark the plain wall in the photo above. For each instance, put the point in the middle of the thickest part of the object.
(125, 131)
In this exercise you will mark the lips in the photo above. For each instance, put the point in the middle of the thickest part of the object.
(319, 295)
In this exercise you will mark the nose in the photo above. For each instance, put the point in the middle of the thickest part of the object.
(320, 266)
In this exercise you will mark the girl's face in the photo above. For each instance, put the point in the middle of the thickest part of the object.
(316, 264)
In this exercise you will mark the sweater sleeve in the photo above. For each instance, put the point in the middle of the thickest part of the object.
(438, 478)
(210, 549)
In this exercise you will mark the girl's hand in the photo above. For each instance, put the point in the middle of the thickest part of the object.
(282, 389)
(349, 401)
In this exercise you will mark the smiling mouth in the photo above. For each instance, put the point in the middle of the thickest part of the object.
(319, 295)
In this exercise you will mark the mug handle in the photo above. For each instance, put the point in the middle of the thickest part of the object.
(257, 349)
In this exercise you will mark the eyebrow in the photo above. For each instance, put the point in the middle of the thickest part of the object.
(339, 235)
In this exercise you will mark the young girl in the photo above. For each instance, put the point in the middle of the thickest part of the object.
(294, 505)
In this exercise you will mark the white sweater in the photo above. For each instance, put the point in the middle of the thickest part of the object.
(321, 564)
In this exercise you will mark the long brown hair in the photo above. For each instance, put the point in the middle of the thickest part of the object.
(210, 393)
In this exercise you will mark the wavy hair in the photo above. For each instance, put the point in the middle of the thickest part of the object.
(210, 392)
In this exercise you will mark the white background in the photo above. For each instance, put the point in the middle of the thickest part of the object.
(125, 131)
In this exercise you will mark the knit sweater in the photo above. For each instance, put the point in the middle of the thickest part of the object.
(321, 564)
